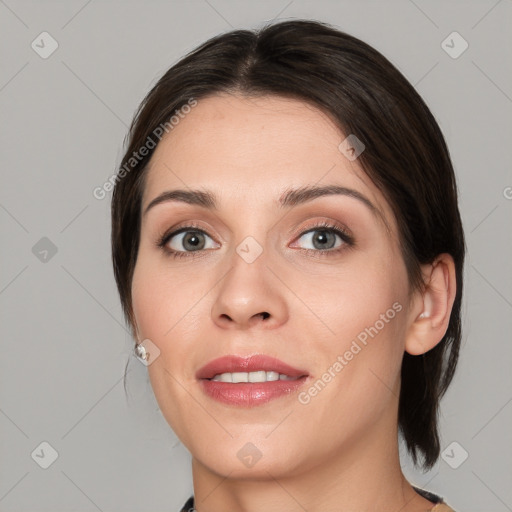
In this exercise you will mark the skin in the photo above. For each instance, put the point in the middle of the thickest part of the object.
(340, 450)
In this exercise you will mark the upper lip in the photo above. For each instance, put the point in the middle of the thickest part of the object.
(254, 363)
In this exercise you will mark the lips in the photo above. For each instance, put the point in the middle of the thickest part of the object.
(250, 381)
(255, 363)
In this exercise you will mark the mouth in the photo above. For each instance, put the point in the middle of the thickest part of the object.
(259, 367)
(258, 376)
(249, 381)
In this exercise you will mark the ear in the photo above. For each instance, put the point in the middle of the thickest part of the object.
(432, 306)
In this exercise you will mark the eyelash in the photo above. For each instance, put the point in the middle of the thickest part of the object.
(348, 240)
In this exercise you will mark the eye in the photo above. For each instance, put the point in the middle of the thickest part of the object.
(325, 237)
(186, 240)
(320, 239)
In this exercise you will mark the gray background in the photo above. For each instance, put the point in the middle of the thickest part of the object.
(64, 344)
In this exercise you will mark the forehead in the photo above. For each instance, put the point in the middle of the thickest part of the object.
(252, 149)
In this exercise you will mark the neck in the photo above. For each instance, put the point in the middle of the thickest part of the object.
(363, 475)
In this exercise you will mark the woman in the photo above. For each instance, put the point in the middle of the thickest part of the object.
(289, 252)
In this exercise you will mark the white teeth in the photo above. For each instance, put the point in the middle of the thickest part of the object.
(271, 376)
(240, 377)
(259, 376)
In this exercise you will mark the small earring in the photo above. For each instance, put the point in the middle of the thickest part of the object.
(140, 352)
(425, 314)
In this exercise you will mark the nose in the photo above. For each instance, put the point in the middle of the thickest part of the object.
(249, 296)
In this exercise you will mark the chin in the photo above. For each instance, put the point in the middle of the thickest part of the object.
(247, 460)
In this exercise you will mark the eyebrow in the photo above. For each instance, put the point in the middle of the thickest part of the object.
(289, 198)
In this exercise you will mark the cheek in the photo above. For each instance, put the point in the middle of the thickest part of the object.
(162, 299)
(365, 292)
(162, 309)
(360, 339)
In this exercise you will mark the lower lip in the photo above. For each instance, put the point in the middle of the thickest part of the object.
(250, 394)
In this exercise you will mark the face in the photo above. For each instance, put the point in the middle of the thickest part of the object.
(314, 281)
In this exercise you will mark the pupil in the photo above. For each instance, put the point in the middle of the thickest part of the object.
(193, 240)
(322, 238)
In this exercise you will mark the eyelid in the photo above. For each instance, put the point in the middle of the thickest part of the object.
(327, 224)
(164, 238)
(181, 232)
(347, 239)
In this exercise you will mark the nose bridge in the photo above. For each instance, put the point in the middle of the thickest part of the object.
(249, 289)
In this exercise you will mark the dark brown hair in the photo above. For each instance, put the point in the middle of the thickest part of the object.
(406, 157)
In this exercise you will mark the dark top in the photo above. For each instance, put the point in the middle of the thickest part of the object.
(434, 498)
